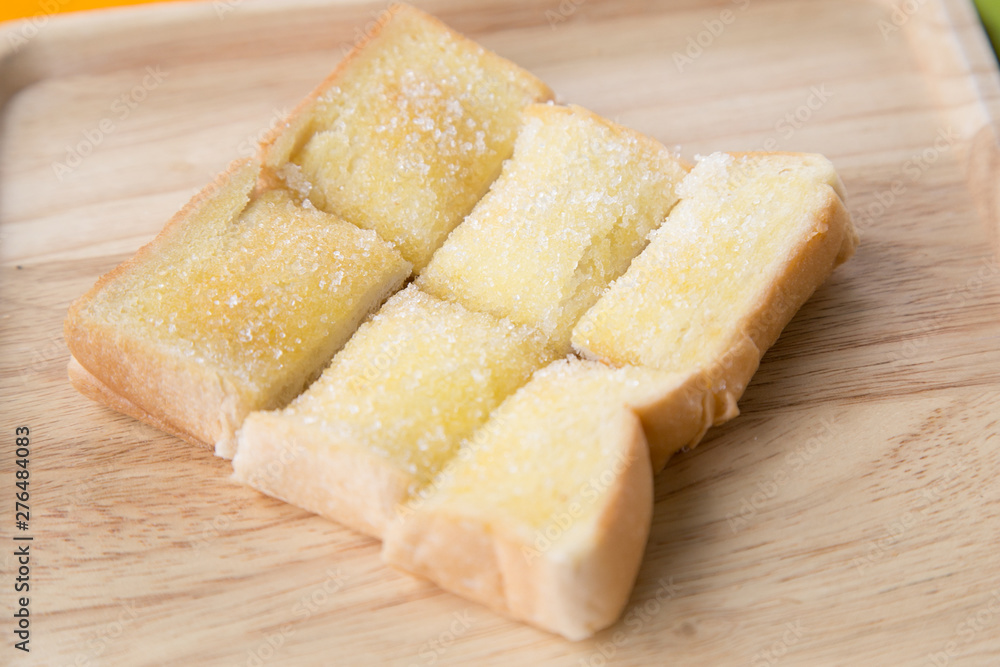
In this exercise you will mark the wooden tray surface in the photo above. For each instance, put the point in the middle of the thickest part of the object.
(849, 516)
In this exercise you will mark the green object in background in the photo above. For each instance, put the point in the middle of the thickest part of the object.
(989, 12)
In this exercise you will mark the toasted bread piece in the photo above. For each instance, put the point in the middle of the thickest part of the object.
(751, 239)
(407, 133)
(236, 305)
(97, 391)
(544, 513)
(390, 410)
(569, 212)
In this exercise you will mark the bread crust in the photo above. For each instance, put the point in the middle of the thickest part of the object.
(681, 417)
(282, 141)
(574, 588)
(810, 264)
(97, 391)
(243, 172)
(347, 484)
(807, 267)
(147, 379)
(492, 261)
(188, 398)
(137, 373)
(541, 109)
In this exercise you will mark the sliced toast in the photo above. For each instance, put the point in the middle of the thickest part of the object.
(751, 239)
(545, 511)
(390, 410)
(443, 425)
(235, 306)
(407, 133)
(570, 210)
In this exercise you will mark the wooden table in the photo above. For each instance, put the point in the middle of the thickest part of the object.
(850, 516)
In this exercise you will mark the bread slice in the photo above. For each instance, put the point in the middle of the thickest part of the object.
(545, 512)
(407, 133)
(751, 239)
(97, 391)
(569, 212)
(235, 306)
(390, 410)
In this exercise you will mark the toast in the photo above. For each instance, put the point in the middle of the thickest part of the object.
(443, 425)
(752, 237)
(91, 387)
(236, 305)
(568, 213)
(390, 410)
(406, 134)
(545, 512)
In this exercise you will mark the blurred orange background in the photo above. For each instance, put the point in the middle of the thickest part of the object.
(11, 9)
(14, 9)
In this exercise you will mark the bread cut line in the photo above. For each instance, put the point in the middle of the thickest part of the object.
(410, 106)
(570, 210)
(579, 193)
(406, 134)
(544, 512)
(459, 422)
(752, 238)
(235, 306)
(390, 410)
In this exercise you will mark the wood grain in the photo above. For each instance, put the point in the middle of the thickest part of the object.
(849, 516)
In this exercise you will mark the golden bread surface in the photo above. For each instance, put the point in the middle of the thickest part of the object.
(447, 424)
(568, 213)
(538, 452)
(411, 383)
(408, 133)
(545, 512)
(751, 239)
(246, 302)
(261, 297)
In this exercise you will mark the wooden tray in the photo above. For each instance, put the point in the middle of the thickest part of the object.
(850, 516)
